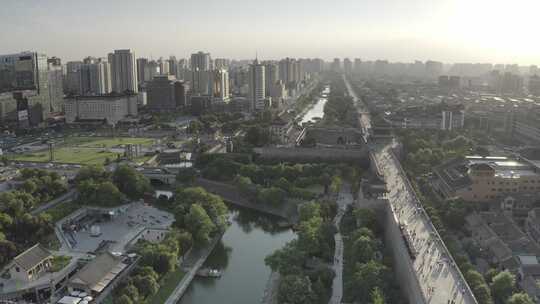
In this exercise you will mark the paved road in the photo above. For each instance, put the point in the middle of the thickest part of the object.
(64, 197)
(364, 117)
(344, 200)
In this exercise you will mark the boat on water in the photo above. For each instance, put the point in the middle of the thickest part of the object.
(209, 273)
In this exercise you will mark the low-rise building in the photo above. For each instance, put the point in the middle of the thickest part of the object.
(111, 108)
(95, 276)
(28, 265)
(436, 117)
(280, 130)
(485, 179)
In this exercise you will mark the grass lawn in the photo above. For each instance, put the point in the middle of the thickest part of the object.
(59, 262)
(69, 155)
(106, 142)
(167, 285)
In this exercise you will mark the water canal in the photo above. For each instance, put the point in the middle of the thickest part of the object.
(240, 256)
(317, 110)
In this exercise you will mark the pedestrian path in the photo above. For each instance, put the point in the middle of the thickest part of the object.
(344, 200)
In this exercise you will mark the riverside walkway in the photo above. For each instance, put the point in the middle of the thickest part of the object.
(193, 263)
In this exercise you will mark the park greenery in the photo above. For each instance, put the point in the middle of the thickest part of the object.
(368, 275)
(19, 229)
(339, 110)
(98, 187)
(201, 213)
(272, 184)
(424, 150)
(302, 263)
(199, 217)
(157, 263)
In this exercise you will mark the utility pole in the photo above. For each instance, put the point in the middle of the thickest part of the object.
(51, 151)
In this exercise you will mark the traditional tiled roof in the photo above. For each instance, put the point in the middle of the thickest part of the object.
(32, 257)
(98, 273)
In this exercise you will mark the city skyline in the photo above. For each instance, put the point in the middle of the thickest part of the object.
(442, 30)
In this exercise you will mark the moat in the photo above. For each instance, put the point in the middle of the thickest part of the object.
(240, 256)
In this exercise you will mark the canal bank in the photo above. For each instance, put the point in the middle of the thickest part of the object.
(240, 257)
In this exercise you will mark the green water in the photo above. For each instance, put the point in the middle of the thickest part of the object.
(240, 256)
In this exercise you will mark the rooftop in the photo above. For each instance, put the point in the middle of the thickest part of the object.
(98, 273)
(32, 257)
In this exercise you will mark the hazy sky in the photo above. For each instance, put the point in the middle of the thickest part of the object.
(498, 31)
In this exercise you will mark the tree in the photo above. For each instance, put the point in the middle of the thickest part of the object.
(377, 296)
(96, 173)
(366, 218)
(195, 127)
(200, 224)
(244, 184)
(335, 186)
(123, 299)
(257, 136)
(131, 182)
(366, 277)
(212, 204)
(147, 285)
(364, 249)
(308, 211)
(295, 289)
(502, 286)
(287, 260)
(131, 292)
(309, 233)
(108, 195)
(479, 287)
(186, 175)
(520, 298)
(29, 186)
(272, 196)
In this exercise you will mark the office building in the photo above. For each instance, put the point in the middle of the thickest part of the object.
(109, 108)
(56, 84)
(221, 63)
(257, 84)
(165, 93)
(173, 66)
(72, 80)
(534, 85)
(221, 85)
(336, 65)
(201, 62)
(357, 65)
(347, 66)
(433, 69)
(290, 72)
(123, 71)
(201, 82)
(271, 76)
(164, 67)
(29, 72)
(141, 68)
(95, 78)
